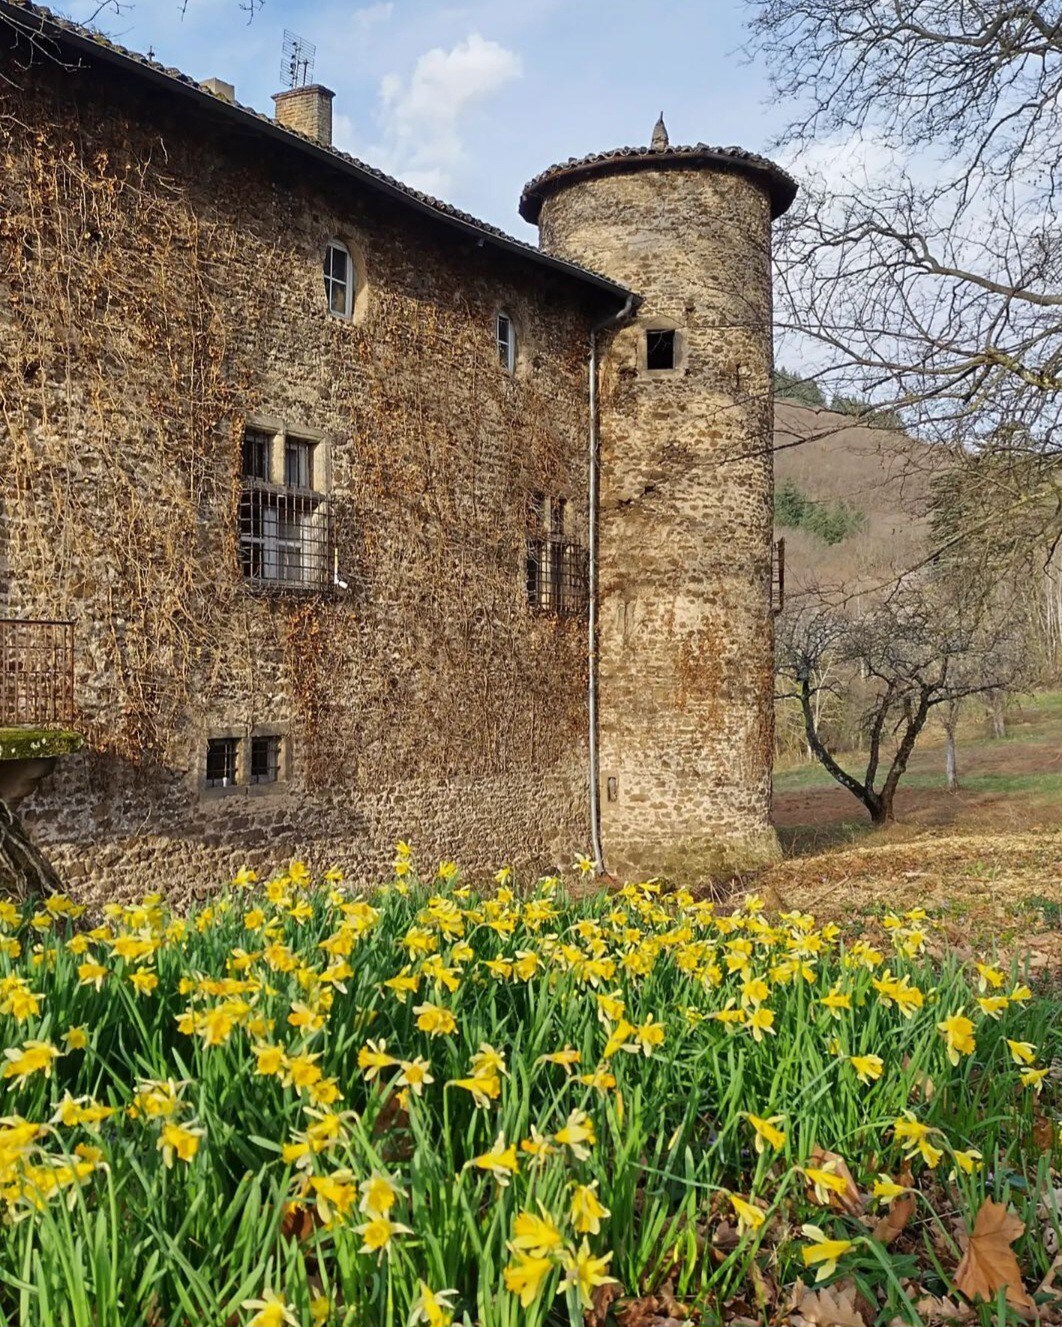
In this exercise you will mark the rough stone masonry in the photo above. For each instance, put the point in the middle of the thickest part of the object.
(304, 455)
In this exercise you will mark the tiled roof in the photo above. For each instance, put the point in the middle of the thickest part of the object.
(780, 185)
(39, 27)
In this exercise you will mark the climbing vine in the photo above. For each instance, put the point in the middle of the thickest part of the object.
(153, 302)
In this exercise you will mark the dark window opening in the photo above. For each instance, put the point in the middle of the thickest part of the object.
(256, 454)
(221, 762)
(659, 349)
(298, 463)
(265, 759)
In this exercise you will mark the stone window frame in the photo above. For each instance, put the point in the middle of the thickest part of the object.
(357, 282)
(661, 323)
(242, 734)
(279, 432)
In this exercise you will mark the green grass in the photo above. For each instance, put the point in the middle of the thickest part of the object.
(1037, 730)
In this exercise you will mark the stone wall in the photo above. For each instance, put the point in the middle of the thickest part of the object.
(160, 283)
(685, 635)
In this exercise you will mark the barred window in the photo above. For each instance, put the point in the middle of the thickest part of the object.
(284, 528)
(556, 564)
(265, 759)
(221, 762)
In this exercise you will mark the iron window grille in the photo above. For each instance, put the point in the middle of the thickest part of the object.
(265, 759)
(222, 762)
(285, 534)
(36, 673)
(557, 566)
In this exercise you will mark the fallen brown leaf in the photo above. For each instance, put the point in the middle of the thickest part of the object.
(933, 1310)
(851, 1201)
(836, 1306)
(648, 1311)
(896, 1218)
(1043, 1133)
(725, 1238)
(600, 1302)
(989, 1263)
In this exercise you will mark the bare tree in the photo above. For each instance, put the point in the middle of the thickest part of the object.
(905, 656)
(927, 263)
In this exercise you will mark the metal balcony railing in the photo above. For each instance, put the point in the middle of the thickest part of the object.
(36, 674)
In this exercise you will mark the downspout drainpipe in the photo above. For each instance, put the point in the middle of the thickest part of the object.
(613, 320)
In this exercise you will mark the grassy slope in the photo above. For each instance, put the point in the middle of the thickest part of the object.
(990, 853)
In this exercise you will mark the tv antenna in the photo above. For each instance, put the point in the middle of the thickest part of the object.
(296, 63)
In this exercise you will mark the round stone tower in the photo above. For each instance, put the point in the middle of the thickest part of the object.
(685, 638)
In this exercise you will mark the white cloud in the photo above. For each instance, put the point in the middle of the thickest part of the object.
(371, 15)
(422, 116)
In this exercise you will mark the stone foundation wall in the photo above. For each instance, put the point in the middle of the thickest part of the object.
(160, 284)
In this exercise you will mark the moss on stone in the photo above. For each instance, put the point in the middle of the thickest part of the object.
(38, 743)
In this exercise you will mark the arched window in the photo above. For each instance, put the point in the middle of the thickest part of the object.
(505, 335)
(339, 279)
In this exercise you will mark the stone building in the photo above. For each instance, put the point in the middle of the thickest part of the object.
(372, 521)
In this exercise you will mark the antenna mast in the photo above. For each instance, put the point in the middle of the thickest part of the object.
(296, 63)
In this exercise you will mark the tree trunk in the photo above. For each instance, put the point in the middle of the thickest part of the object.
(881, 812)
(949, 762)
(951, 724)
(24, 870)
(999, 716)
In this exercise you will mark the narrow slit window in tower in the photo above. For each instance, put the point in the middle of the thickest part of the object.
(659, 349)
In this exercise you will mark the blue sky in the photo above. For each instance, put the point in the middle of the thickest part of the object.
(469, 101)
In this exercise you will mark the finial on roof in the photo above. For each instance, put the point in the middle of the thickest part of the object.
(659, 141)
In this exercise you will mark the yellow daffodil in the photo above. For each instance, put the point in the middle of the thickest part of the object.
(535, 1235)
(584, 1272)
(377, 1234)
(577, 1134)
(500, 1160)
(957, 1031)
(33, 1057)
(587, 1211)
(178, 1141)
(272, 1310)
(1021, 1052)
(432, 1307)
(767, 1133)
(823, 1251)
(437, 1022)
(526, 1275)
(869, 1068)
(749, 1217)
(886, 1189)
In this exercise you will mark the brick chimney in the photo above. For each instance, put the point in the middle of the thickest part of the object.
(307, 110)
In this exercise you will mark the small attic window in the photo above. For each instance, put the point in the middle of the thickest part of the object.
(505, 334)
(338, 279)
(659, 348)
